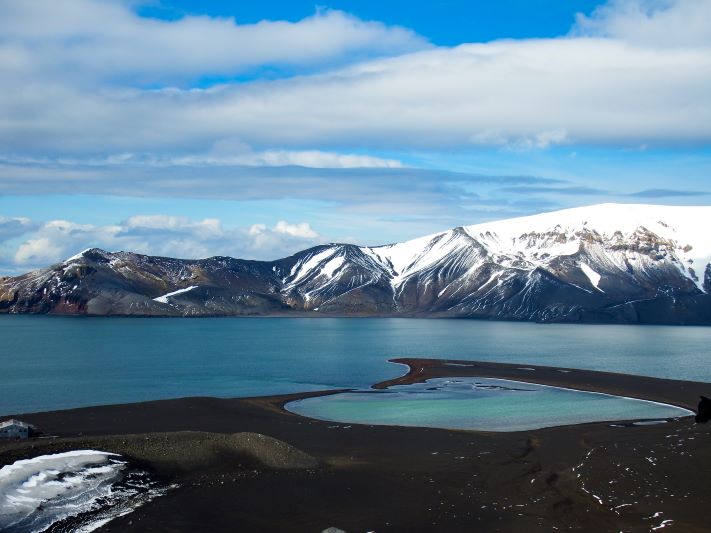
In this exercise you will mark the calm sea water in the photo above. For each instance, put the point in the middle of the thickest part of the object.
(60, 362)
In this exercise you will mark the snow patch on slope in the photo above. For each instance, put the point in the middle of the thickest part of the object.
(330, 268)
(302, 269)
(593, 276)
(164, 299)
(403, 260)
(78, 256)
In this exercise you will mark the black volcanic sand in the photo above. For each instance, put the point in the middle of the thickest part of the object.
(590, 477)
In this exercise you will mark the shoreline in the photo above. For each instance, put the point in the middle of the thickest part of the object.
(596, 476)
(415, 316)
(675, 392)
(679, 393)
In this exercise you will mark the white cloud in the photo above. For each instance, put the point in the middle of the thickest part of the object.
(636, 72)
(244, 156)
(210, 227)
(92, 40)
(14, 227)
(540, 140)
(264, 238)
(650, 22)
(162, 235)
(51, 240)
(595, 90)
(38, 251)
(303, 230)
(313, 159)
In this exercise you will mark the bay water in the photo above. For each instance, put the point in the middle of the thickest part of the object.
(50, 362)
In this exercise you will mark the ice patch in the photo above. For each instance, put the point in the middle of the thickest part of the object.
(78, 490)
(649, 422)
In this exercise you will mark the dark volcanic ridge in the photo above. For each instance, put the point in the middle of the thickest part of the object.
(602, 264)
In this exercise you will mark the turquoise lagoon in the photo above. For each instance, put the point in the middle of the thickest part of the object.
(61, 362)
(480, 404)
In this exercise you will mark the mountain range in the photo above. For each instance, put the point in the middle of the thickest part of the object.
(608, 263)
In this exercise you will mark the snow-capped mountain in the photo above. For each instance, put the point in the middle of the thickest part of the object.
(604, 263)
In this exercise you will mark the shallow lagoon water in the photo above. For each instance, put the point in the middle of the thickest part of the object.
(61, 362)
(478, 403)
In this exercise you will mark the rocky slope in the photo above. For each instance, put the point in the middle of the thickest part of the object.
(606, 263)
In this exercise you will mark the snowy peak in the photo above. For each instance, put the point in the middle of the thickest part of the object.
(326, 276)
(603, 232)
(614, 223)
(407, 258)
(609, 237)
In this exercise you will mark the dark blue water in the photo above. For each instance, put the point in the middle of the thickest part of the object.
(57, 362)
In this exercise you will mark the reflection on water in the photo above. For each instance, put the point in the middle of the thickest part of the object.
(479, 403)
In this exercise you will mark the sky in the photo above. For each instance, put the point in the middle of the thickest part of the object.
(193, 128)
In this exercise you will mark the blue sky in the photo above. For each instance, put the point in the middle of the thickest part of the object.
(442, 22)
(255, 129)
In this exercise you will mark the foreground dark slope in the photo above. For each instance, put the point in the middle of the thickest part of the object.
(597, 477)
(536, 269)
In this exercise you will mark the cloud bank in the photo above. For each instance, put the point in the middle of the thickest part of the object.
(635, 72)
(46, 243)
(654, 23)
(345, 186)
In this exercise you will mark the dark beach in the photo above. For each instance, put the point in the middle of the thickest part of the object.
(590, 477)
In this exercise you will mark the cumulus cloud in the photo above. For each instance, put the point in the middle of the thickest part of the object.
(159, 235)
(38, 251)
(296, 230)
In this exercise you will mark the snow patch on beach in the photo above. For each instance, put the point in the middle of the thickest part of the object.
(79, 490)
